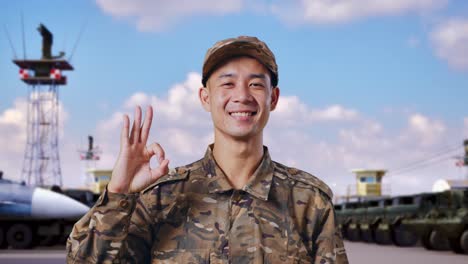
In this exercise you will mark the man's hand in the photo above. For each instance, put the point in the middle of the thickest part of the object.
(132, 172)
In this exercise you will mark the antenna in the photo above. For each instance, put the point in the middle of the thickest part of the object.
(64, 44)
(78, 40)
(9, 40)
(24, 42)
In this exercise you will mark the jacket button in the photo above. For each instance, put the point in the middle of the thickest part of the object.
(123, 204)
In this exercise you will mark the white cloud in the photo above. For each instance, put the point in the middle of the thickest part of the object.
(365, 136)
(13, 127)
(341, 11)
(13, 131)
(156, 15)
(450, 41)
(424, 129)
(180, 124)
(138, 98)
(291, 111)
(334, 112)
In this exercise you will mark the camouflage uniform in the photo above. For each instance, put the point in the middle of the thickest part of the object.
(193, 215)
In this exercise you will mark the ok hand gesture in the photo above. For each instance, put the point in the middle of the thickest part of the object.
(132, 172)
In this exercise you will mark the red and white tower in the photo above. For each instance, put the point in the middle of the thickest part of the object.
(41, 164)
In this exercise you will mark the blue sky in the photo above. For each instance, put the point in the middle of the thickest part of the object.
(364, 83)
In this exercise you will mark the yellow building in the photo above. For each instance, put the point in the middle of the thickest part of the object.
(369, 182)
(101, 179)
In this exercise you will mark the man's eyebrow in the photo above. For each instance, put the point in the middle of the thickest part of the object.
(251, 76)
(258, 75)
(226, 75)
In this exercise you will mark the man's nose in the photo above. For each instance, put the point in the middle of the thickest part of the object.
(242, 93)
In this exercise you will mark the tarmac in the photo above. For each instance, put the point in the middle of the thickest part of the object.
(359, 253)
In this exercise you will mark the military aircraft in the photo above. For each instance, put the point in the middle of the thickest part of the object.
(34, 215)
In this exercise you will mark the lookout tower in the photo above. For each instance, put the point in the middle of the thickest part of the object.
(41, 164)
(369, 182)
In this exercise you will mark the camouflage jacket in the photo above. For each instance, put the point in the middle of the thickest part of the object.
(193, 215)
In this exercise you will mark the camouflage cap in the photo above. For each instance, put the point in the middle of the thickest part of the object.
(240, 46)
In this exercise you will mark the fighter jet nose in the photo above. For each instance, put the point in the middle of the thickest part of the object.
(49, 204)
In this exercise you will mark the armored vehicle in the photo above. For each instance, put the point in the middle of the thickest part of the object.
(446, 224)
(438, 220)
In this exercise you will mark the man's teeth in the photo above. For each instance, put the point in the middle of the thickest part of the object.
(241, 113)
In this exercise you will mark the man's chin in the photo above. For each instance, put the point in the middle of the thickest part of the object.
(242, 135)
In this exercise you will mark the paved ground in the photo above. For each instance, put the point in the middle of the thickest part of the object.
(359, 253)
(37, 256)
(362, 253)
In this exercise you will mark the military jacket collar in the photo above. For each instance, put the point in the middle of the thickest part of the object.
(258, 185)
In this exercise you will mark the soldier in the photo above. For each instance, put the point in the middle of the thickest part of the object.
(235, 205)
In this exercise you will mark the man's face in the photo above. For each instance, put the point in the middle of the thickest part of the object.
(240, 97)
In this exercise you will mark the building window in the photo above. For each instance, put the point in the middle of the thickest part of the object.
(367, 179)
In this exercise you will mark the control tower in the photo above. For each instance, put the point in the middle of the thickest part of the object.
(41, 164)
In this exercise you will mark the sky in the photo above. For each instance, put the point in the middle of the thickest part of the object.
(364, 83)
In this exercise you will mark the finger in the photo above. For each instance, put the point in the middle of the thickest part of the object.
(156, 149)
(124, 132)
(147, 124)
(135, 134)
(161, 170)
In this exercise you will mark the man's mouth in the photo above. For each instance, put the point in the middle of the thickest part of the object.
(242, 114)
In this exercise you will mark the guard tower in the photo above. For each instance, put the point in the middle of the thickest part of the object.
(369, 182)
(100, 180)
(41, 164)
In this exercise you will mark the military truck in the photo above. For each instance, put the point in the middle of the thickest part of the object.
(376, 214)
(446, 224)
(438, 220)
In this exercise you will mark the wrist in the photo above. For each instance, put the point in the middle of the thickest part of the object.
(116, 189)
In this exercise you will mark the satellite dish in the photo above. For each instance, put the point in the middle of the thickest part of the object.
(440, 185)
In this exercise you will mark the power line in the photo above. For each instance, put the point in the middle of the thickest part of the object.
(24, 41)
(420, 166)
(438, 157)
(9, 40)
(83, 27)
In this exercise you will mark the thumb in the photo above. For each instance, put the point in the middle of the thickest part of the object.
(160, 171)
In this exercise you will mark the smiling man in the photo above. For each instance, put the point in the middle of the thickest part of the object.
(235, 205)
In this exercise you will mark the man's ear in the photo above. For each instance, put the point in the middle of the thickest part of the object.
(275, 93)
(204, 96)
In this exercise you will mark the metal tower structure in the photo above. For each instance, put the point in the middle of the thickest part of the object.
(89, 158)
(41, 164)
(463, 160)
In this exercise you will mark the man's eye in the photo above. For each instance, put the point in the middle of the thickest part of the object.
(257, 85)
(227, 84)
